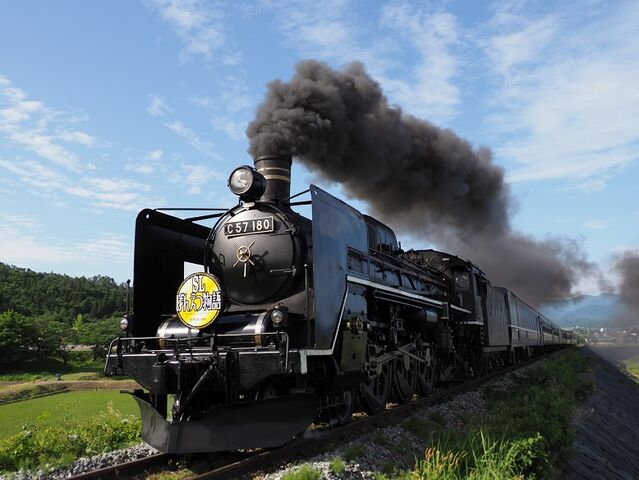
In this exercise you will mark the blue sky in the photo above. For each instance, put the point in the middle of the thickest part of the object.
(110, 107)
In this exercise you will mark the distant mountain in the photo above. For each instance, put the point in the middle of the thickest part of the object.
(584, 310)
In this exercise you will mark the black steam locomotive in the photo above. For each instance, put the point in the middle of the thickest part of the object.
(287, 320)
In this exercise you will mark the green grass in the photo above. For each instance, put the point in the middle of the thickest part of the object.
(180, 474)
(481, 459)
(25, 391)
(352, 452)
(379, 438)
(39, 446)
(63, 408)
(437, 418)
(46, 369)
(422, 429)
(337, 466)
(303, 472)
(632, 367)
(525, 430)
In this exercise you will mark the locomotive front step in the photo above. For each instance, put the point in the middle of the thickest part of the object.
(267, 423)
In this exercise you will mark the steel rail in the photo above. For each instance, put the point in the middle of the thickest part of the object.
(126, 469)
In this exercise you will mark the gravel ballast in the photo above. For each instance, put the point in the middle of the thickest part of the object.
(392, 447)
(86, 464)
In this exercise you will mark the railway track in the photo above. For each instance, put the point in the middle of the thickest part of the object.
(244, 463)
(127, 469)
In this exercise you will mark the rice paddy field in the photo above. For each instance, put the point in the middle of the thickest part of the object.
(69, 408)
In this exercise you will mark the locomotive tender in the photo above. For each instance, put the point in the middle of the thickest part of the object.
(289, 320)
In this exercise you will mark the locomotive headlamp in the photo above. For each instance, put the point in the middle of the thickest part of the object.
(247, 183)
(278, 316)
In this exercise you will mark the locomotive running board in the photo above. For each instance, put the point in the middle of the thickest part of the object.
(262, 423)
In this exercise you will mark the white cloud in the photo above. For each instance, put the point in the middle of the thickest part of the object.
(202, 101)
(143, 169)
(229, 112)
(191, 137)
(147, 165)
(412, 56)
(230, 126)
(75, 136)
(430, 91)
(232, 59)
(121, 194)
(158, 107)
(154, 155)
(567, 109)
(198, 24)
(45, 147)
(194, 177)
(37, 129)
(514, 48)
(595, 224)
(19, 111)
(104, 184)
(592, 184)
(329, 30)
(107, 248)
(24, 242)
(24, 222)
(234, 94)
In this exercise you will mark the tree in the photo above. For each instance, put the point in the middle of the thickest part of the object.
(31, 293)
(99, 334)
(17, 336)
(78, 322)
(53, 338)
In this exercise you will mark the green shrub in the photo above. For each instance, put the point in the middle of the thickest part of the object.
(437, 418)
(45, 368)
(379, 438)
(303, 472)
(381, 476)
(527, 426)
(337, 466)
(50, 446)
(632, 367)
(419, 427)
(352, 452)
(438, 465)
(541, 403)
(479, 458)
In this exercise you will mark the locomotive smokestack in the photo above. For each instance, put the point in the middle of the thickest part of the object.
(277, 171)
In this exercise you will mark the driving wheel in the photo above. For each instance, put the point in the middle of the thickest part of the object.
(405, 382)
(375, 394)
(341, 409)
(426, 371)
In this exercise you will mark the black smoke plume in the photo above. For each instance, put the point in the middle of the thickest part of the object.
(628, 268)
(414, 175)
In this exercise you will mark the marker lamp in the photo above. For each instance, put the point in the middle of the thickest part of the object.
(278, 317)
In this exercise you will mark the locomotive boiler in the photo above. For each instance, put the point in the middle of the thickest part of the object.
(244, 333)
